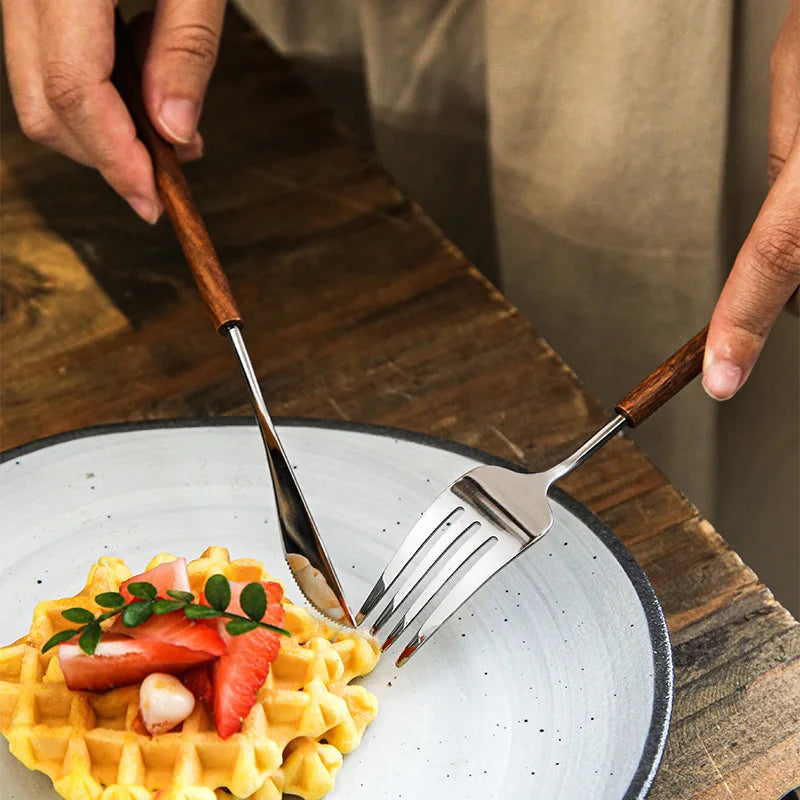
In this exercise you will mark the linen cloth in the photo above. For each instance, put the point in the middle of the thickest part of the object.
(601, 160)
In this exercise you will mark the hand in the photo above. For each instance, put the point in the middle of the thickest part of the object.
(60, 56)
(767, 270)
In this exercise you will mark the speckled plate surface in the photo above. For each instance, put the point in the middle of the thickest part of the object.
(555, 680)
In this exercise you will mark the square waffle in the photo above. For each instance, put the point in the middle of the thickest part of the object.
(306, 715)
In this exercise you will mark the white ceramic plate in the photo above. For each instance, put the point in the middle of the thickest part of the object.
(555, 679)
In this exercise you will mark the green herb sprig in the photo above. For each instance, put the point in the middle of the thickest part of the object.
(253, 601)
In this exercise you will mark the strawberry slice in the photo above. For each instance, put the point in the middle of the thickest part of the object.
(119, 661)
(274, 592)
(198, 681)
(169, 575)
(241, 672)
(174, 628)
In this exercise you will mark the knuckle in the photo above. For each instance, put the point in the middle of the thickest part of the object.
(193, 42)
(777, 253)
(775, 165)
(744, 322)
(37, 124)
(64, 88)
(749, 330)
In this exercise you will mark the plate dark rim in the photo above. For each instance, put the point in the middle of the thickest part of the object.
(662, 654)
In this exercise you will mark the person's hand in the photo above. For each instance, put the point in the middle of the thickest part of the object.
(59, 57)
(766, 272)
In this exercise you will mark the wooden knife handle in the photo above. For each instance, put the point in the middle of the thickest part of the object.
(174, 190)
(664, 382)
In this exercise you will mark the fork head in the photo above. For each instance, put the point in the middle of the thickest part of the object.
(474, 528)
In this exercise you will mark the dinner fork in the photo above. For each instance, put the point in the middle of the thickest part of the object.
(489, 516)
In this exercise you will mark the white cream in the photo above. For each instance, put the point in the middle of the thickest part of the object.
(164, 702)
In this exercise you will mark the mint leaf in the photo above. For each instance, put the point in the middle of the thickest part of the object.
(187, 597)
(240, 625)
(201, 612)
(89, 638)
(218, 592)
(110, 600)
(254, 601)
(58, 638)
(79, 615)
(166, 606)
(143, 590)
(137, 613)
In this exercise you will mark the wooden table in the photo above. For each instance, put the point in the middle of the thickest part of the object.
(358, 308)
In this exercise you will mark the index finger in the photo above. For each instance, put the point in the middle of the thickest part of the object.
(77, 59)
(764, 276)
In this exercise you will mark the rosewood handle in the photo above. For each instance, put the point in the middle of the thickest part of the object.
(174, 190)
(664, 382)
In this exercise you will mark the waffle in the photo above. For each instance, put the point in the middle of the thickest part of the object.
(307, 714)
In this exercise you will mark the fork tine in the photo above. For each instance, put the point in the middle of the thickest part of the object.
(497, 556)
(438, 516)
(432, 558)
(460, 556)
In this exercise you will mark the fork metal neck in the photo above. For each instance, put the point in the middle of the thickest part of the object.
(588, 448)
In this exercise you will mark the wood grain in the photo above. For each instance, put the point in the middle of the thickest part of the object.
(358, 308)
(665, 381)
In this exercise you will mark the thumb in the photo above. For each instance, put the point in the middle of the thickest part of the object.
(180, 58)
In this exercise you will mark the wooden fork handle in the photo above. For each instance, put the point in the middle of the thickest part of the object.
(174, 190)
(664, 382)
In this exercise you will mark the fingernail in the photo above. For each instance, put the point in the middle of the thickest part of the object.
(179, 118)
(721, 379)
(145, 208)
(191, 151)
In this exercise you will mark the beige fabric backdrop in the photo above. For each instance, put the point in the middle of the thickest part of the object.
(576, 151)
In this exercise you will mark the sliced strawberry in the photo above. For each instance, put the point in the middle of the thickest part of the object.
(273, 590)
(169, 575)
(120, 661)
(174, 628)
(238, 675)
(241, 672)
(274, 593)
(198, 681)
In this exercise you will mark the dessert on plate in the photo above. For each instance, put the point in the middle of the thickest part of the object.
(191, 681)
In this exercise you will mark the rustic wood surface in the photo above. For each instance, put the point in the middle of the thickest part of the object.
(358, 308)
